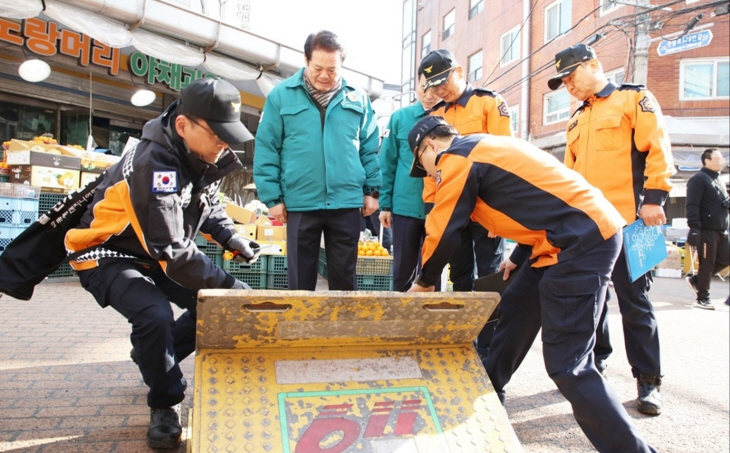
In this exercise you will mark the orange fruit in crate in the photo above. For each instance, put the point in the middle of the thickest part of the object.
(369, 253)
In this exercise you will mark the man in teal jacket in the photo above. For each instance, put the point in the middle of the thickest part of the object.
(316, 164)
(401, 196)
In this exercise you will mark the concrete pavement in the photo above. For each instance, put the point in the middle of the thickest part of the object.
(67, 384)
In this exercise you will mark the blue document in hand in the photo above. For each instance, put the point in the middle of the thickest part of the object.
(644, 248)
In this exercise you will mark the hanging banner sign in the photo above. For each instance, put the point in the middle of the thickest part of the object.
(173, 75)
(686, 42)
(47, 39)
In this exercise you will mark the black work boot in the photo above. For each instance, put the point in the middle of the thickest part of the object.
(165, 429)
(650, 400)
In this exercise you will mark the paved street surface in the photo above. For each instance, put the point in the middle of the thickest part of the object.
(67, 384)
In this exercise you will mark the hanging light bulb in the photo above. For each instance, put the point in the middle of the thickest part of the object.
(34, 70)
(143, 97)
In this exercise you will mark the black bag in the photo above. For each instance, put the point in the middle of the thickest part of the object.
(40, 249)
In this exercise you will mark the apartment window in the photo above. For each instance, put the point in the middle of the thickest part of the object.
(475, 7)
(449, 23)
(616, 76)
(514, 118)
(557, 19)
(475, 66)
(609, 6)
(510, 46)
(556, 106)
(426, 44)
(704, 79)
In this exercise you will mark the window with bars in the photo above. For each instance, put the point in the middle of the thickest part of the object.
(556, 106)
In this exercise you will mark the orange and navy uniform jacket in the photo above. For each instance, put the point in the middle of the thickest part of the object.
(516, 191)
(619, 142)
(477, 111)
(151, 205)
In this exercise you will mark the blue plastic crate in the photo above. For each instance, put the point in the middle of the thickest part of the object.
(254, 279)
(323, 269)
(7, 203)
(46, 201)
(367, 265)
(24, 218)
(64, 270)
(6, 217)
(7, 234)
(374, 283)
(277, 264)
(259, 267)
(277, 281)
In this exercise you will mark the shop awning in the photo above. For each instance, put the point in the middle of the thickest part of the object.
(177, 35)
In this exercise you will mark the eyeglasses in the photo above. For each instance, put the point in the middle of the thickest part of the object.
(418, 159)
(218, 141)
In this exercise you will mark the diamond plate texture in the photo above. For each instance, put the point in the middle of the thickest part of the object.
(240, 406)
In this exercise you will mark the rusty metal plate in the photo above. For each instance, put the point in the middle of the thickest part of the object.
(229, 319)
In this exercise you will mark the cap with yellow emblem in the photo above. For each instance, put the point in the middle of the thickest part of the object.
(437, 67)
(567, 60)
(219, 103)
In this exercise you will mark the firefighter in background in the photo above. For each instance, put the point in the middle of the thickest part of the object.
(618, 141)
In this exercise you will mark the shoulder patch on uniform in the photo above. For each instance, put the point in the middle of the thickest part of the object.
(164, 181)
(479, 91)
(572, 125)
(503, 109)
(647, 105)
(631, 86)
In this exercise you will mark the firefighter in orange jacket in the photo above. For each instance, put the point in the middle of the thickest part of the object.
(618, 141)
(571, 236)
(471, 110)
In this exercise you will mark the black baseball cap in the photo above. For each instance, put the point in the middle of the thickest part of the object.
(219, 104)
(437, 67)
(567, 60)
(420, 130)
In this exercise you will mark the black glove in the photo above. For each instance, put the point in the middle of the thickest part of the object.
(726, 203)
(249, 250)
(693, 238)
(238, 284)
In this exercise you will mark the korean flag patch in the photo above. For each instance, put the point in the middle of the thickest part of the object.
(164, 182)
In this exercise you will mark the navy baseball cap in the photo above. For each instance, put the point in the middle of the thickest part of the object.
(437, 67)
(419, 131)
(219, 104)
(567, 60)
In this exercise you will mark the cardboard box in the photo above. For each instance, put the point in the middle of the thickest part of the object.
(673, 259)
(378, 373)
(263, 220)
(42, 158)
(668, 273)
(87, 177)
(239, 214)
(271, 233)
(90, 161)
(248, 231)
(272, 247)
(22, 145)
(50, 179)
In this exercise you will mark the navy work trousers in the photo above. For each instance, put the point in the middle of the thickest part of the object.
(341, 228)
(641, 335)
(477, 255)
(408, 236)
(566, 300)
(143, 294)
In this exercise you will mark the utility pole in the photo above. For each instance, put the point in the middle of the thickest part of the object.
(642, 41)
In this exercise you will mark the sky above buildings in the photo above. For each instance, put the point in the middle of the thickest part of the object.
(370, 29)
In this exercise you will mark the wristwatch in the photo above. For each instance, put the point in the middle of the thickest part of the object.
(371, 192)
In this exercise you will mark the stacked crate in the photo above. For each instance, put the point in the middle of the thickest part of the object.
(254, 275)
(46, 202)
(372, 273)
(18, 210)
(277, 273)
